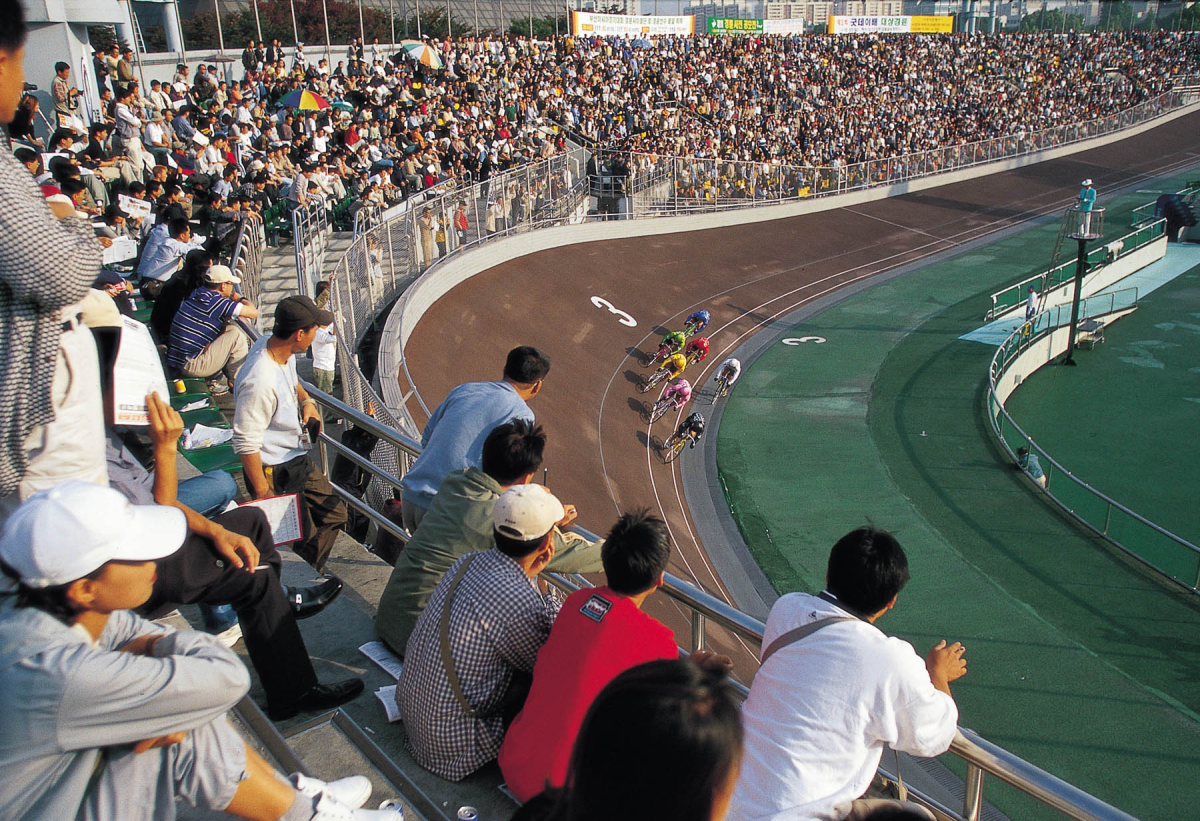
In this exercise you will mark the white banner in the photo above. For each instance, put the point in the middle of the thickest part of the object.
(794, 26)
(629, 25)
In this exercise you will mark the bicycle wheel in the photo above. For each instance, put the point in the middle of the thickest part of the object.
(656, 357)
(674, 447)
(650, 381)
(659, 410)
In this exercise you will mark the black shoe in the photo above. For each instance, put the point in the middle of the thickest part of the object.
(309, 601)
(320, 697)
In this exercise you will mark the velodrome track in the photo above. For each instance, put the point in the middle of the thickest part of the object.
(600, 456)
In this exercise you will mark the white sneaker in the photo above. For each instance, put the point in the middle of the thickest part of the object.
(330, 809)
(231, 636)
(352, 791)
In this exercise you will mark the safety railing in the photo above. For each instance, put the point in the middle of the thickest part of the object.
(249, 251)
(705, 611)
(1149, 212)
(310, 236)
(701, 185)
(1163, 551)
(1008, 298)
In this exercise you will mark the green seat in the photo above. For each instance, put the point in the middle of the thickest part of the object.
(210, 416)
(219, 457)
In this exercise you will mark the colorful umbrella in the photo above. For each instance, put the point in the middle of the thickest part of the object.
(304, 100)
(421, 53)
(342, 105)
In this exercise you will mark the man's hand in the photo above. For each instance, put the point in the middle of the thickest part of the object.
(571, 515)
(141, 645)
(161, 741)
(946, 664)
(166, 424)
(310, 411)
(235, 548)
(62, 210)
(105, 241)
(713, 662)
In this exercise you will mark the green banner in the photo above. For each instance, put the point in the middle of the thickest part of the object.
(733, 25)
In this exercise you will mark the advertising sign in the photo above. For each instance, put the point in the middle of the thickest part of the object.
(733, 25)
(841, 24)
(585, 23)
(793, 26)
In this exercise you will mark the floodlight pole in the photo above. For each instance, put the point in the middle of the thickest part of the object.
(1080, 270)
(1087, 225)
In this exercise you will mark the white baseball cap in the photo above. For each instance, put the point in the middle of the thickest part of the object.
(526, 512)
(217, 274)
(66, 532)
(1087, 182)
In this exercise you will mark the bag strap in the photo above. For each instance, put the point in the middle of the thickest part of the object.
(444, 636)
(793, 636)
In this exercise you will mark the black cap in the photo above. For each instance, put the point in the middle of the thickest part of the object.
(296, 313)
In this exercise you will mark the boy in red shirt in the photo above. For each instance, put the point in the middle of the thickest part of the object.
(599, 633)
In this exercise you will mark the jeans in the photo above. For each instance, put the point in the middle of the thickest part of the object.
(208, 494)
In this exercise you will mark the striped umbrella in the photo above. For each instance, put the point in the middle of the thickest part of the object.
(421, 53)
(304, 100)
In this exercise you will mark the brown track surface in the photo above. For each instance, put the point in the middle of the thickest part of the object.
(746, 275)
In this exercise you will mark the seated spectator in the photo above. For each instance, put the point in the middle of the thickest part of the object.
(458, 701)
(204, 338)
(181, 284)
(806, 759)
(453, 436)
(460, 521)
(599, 633)
(129, 716)
(164, 252)
(663, 740)
(117, 288)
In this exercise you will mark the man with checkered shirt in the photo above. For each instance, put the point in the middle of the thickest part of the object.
(469, 660)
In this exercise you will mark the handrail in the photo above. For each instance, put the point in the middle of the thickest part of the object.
(980, 755)
(1018, 342)
(1065, 272)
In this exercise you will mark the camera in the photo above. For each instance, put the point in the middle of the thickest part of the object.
(30, 87)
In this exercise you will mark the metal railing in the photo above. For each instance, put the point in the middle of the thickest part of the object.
(1149, 212)
(249, 251)
(981, 757)
(1012, 296)
(310, 235)
(1170, 555)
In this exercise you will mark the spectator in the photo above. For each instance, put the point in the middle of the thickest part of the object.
(453, 436)
(272, 421)
(129, 716)
(65, 95)
(1030, 463)
(188, 278)
(458, 693)
(663, 740)
(599, 633)
(49, 381)
(806, 760)
(204, 338)
(165, 249)
(460, 521)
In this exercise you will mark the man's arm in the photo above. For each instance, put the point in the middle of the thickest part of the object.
(946, 664)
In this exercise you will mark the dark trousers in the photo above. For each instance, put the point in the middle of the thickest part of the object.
(322, 511)
(196, 573)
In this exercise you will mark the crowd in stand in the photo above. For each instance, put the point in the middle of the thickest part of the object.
(583, 701)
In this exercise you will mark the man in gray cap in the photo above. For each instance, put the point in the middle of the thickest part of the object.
(275, 423)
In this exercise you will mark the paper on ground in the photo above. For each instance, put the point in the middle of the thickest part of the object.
(197, 405)
(203, 436)
(387, 697)
(283, 515)
(378, 652)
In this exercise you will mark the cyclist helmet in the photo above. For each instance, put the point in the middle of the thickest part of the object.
(675, 362)
(700, 318)
(696, 422)
(682, 388)
(700, 342)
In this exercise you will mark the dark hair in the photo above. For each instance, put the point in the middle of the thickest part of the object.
(177, 226)
(195, 266)
(516, 548)
(636, 552)
(25, 155)
(51, 600)
(658, 742)
(513, 450)
(71, 186)
(60, 65)
(526, 365)
(893, 812)
(867, 568)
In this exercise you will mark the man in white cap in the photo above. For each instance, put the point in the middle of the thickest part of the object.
(1087, 201)
(204, 338)
(470, 658)
(106, 716)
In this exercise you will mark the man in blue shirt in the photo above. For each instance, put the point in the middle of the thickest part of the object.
(204, 341)
(165, 249)
(453, 437)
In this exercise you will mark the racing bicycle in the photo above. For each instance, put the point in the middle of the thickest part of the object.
(653, 379)
(675, 445)
(663, 405)
(691, 328)
(722, 387)
(663, 352)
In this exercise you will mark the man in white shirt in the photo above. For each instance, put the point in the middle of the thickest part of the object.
(275, 422)
(156, 137)
(833, 689)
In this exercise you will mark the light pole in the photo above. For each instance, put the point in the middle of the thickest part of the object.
(295, 30)
(325, 15)
(1087, 224)
(257, 24)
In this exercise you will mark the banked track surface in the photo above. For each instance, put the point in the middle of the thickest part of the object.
(600, 454)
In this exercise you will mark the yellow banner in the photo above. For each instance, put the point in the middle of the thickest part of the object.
(932, 25)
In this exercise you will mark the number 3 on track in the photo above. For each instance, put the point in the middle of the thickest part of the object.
(800, 340)
(625, 319)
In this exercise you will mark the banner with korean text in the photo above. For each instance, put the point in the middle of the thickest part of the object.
(734, 25)
(585, 23)
(842, 24)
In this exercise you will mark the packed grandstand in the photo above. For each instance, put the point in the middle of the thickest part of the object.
(127, 218)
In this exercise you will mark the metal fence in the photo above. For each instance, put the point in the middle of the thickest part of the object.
(249, 250)
(1158, 548)
(310, 234)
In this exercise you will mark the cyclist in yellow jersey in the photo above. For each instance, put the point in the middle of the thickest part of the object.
(674, 365)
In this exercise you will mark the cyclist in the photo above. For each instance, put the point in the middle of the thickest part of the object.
(730, 370)
(692, 428)
(679, 392)
(696, 322)
(674, 365)
(673, 340)
(697, 350)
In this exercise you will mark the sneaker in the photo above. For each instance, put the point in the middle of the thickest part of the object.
(230, 636)
(329, 808)
(352, 791)
(216, 388)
